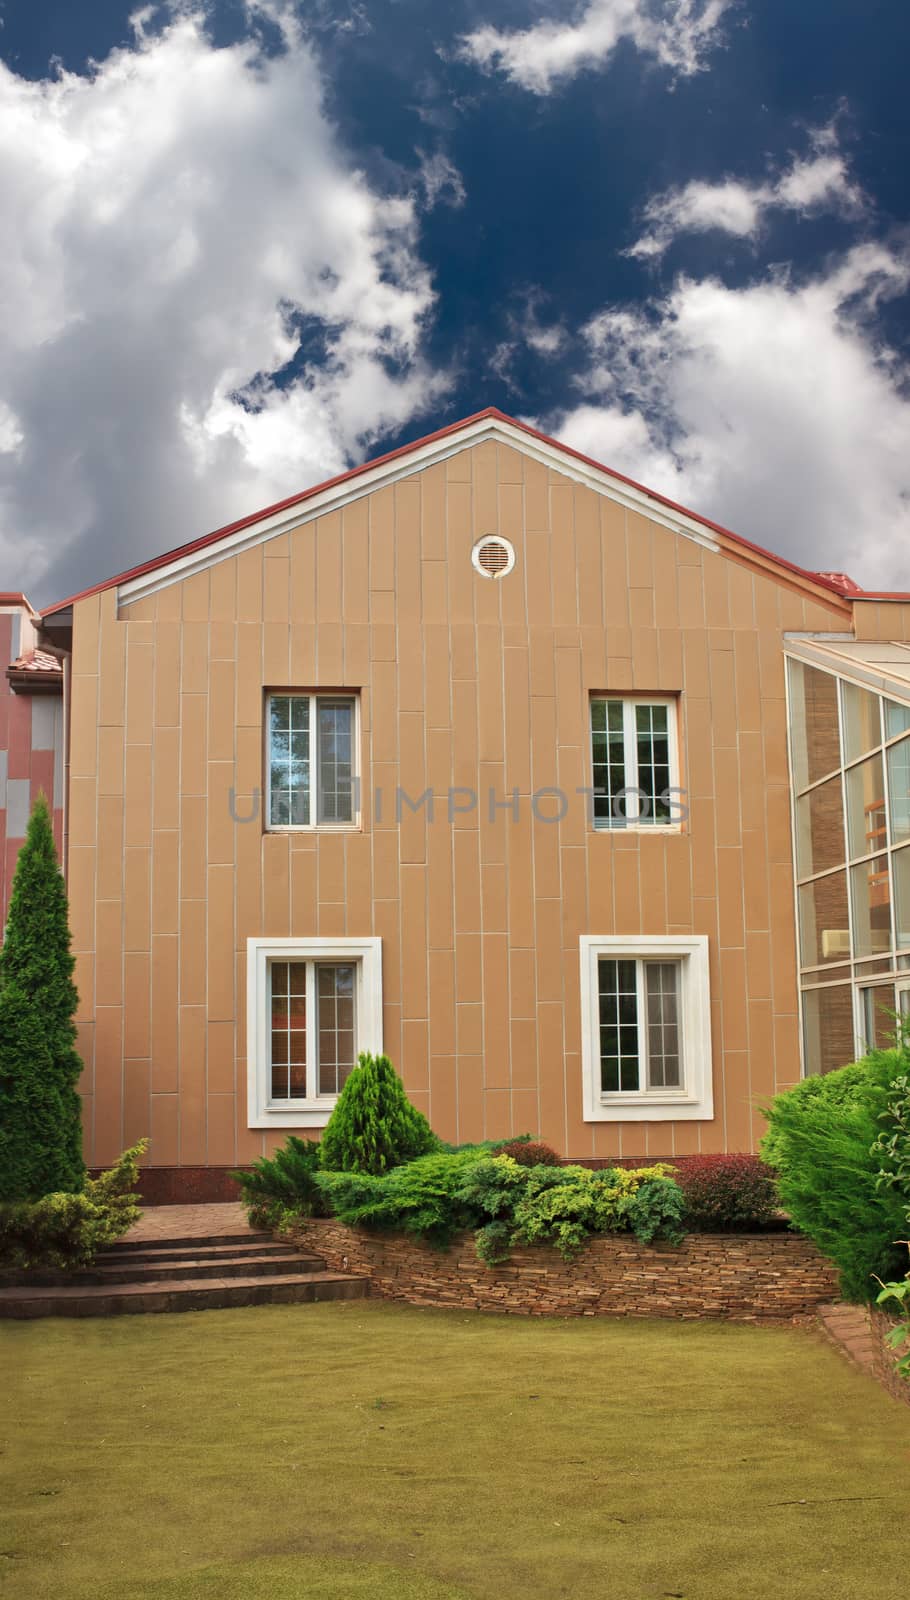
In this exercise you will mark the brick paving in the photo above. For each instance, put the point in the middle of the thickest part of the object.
(850, 1328)
(189, 1222)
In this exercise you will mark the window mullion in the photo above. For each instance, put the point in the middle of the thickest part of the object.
(643, 1082)
(314, 759)
(312, 1069)
(630, 761)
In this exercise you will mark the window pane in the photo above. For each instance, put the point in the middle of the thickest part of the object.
(336, 1002)
(866, 807)
(900, 866)
(879, 1024)
(287, 983)
(820, 829)
(336, 752)
(862, 721)
(609, 764)
(289, 761)
(618, 1004)
(870, 891)
(899, 790)
(897, 718)
(814, 723)
(652, 732)
(662, 990)
(828, 1037)
(823, 926)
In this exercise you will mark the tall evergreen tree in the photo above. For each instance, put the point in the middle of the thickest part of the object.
(374, 1127)
(40, 1122)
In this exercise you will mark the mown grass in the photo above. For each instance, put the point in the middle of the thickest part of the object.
(375, 1452)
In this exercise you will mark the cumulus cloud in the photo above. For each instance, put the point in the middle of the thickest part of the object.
(772, 408)
(208, 306)
(819, 181)
(674, 33)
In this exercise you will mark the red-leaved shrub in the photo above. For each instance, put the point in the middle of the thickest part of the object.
(528, 1153)
(722, 1193)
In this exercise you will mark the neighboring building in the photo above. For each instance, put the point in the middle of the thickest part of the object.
(31, 733)
(588, 932)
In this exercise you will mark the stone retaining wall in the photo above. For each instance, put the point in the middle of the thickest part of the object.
(740, 1277)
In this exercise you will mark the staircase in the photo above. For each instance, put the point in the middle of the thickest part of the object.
(179, 1274)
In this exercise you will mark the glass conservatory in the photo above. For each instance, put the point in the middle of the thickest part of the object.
(850, 769)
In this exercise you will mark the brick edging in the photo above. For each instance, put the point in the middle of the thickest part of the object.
(737, 1277)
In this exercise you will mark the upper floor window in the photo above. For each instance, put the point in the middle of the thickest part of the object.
(635, 762)
(312, 760)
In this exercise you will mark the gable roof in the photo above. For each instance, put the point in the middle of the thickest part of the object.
(491, 423)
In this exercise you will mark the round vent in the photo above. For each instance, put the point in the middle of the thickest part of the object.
(493, 557)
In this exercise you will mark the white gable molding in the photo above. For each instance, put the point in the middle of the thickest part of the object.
(402, 466)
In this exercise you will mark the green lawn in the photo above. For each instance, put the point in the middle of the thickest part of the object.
(375, 1451)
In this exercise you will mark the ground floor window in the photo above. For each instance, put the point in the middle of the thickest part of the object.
(842, 1021)
(646, 1041)
(313, 1005)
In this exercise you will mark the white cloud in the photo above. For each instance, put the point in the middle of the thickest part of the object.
(675, 33)
(440, 179)
(819, 181)
(772, 409)
(173, 219)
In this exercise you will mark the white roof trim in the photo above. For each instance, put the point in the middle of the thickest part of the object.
(402, 466)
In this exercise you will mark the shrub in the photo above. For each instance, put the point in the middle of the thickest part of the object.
(528, 1153)
(285, 1183)
(374, 1127)
(507, 1203)
(40, 1113)
(820, 1141)
(728, 1193)
(67, 1230)
(892, 1147)
(420, 1198)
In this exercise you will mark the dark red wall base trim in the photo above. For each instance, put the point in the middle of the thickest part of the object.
(185, 1186)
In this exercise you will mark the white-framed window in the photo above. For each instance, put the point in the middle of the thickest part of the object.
(646, 1028)
(312, 1006)
(312, 770)
(635, 762)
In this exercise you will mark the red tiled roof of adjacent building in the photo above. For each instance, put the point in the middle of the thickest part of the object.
(36, 663)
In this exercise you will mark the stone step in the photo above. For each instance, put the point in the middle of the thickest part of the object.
(213, 1251)
(182, 1240)
(279, 1263)
(190, 1294)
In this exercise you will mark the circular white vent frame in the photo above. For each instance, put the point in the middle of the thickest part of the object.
(498, 568)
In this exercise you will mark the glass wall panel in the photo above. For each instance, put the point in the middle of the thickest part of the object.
(823, 925)
(828, 1032)
(865, 787)
(900, 866)
(815, 735)
(870, 891)
(862, 721)
(897, 718)
(877, 1011)
(820, 829)
(898, 758)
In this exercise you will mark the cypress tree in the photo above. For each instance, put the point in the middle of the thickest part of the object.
(374, 1126)
(40, 1121)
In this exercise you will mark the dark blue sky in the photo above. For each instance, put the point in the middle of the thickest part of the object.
(553, 187)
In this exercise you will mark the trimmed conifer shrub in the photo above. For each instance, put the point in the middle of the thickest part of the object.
(374, 1127)
(820, 1142)
(40, 1121)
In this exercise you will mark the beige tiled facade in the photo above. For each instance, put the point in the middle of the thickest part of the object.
(463, 683)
